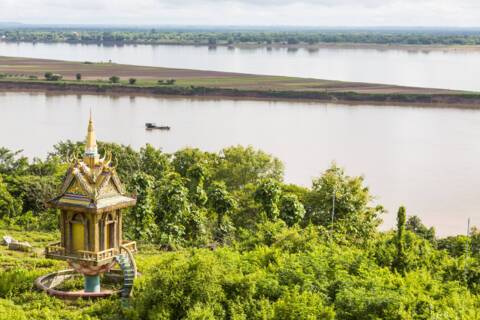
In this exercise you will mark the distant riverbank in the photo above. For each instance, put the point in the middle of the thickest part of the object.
(25, 74)
(465, 100)
(284, 45)
(421, 39)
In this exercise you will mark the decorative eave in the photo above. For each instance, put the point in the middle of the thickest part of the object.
(82, 204)
(92, 184)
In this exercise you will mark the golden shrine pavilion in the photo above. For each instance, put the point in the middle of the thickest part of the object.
(91, 202)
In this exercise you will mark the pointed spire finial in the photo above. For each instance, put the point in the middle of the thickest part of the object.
(91, 153)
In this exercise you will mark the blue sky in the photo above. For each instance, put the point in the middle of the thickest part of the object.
(453, 13)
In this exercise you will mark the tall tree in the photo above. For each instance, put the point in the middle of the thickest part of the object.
(400, 261)
(222, 203)
(349, 200)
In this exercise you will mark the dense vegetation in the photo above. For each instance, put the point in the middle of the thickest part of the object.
(223, 237)
(234, 37)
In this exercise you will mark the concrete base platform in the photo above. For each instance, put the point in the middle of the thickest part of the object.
(50, 282)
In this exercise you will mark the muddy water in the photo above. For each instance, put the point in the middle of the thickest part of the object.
(426, 159)
(435, 69)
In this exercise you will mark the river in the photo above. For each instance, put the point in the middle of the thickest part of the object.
(436, 69)
(424, 158)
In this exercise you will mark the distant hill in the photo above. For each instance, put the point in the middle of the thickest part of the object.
(10, 24)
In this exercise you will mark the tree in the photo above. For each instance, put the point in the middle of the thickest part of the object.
(400, 261)
(9, 206)
(268, 195)
(415, 225)
(222, 203)
(196, 176)
(125, 158)
(239, 166)
(53, 76)
(142, 215)
(173, 209)
(186, 158)
(347, 200)
(33, 190)
(11, 162)
(114, 79)
(292, 210)
(132, 81)
(154, 162)
(79, 76)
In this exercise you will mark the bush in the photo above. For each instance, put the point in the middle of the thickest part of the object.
(53, 76)
(132, 81)
(78, 76)
(167, 82)
(32, 77)
(114, 79)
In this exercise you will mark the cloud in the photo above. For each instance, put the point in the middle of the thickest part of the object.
(246, 12)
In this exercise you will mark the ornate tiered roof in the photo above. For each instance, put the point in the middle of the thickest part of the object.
(92, 184)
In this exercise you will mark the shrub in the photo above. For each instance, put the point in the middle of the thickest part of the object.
(132, 81)
(53, 76)
(78, 76)
(167, 82)
(114, 79)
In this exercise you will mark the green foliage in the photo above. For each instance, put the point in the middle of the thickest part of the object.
(292, 210)
(132, 81)
(154, 162)
(114, 79)
(344, 197)
(142, 216)
(173, 210)
(53, 76)
(399, 264)
(11, 163)
(9, 206)
(265, 36)
(48, 75)
(268, 194)
(239, 166)
(299, 275)
(9, 311)
(245, 245)
(415, 225)
(221, 201)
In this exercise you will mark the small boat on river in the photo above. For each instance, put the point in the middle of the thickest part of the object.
(152, 126)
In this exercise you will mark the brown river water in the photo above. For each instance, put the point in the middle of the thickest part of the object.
(424, 158)
(447, 69)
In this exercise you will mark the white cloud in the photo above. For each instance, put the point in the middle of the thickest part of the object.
(246, 12)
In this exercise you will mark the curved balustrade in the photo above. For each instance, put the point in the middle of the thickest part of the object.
(55, 251)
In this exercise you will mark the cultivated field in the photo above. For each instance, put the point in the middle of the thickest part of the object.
(22, 68)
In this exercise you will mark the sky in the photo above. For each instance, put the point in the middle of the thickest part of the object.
(364, 13)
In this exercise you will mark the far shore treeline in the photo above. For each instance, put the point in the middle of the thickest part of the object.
(305, 36)
(222, 236)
